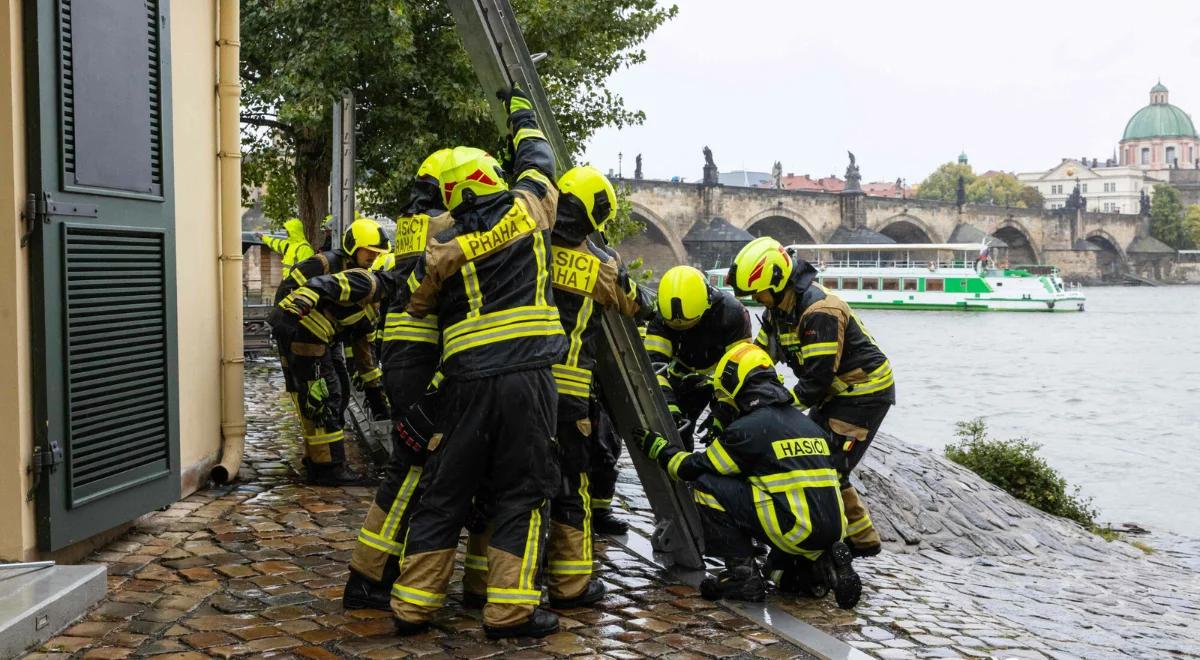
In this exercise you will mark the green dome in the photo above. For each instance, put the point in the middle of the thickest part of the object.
(1158, 88)
(1159, 120)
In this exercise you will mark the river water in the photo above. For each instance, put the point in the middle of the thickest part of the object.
(1111, 394)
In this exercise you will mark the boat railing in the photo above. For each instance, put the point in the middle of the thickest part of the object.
(894, 263)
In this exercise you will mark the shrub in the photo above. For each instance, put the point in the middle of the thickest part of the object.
(1014, 465)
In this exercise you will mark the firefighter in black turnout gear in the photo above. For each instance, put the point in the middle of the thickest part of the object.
(696, 323)
(487, 279)
(308, 331)
(768, 477)
(845, 380)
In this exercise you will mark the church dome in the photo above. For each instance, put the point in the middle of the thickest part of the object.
(1159, 119)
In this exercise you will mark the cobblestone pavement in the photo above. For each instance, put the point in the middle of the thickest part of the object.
(257, 570)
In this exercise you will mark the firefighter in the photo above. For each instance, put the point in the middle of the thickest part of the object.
(308, 333)
(602, 473)
(768, 477)
(488, 281)
(845, 380)
(293, 249)
(696, 323)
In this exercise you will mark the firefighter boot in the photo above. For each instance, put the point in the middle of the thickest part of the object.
(539, 624)
(739, 581)
(860, 533)
(591, 594)
(604, 522)
(337, 474)
(363, 593)
(835, 565)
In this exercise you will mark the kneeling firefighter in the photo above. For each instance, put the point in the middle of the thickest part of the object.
(844, 379)
(768, 477)
(308, 330)
(696, 323)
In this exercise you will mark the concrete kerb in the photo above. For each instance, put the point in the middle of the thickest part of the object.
(767, 615)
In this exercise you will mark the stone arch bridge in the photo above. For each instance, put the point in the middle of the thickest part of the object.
(1086, 246)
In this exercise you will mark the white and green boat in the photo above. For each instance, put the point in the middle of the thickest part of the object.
(943, 276)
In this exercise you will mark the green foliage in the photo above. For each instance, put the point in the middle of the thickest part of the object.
(1001, 189)
(1031, 198)
(943, 183)
(624, 224)
(1167, 217)
(1016, 467)
(415, 90)
(1191, 227)
(269, 170)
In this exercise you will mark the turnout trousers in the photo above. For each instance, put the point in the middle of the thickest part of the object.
(304, 362)
(852, 422)
(381, 537)
(604, 455)
(569, 550)
(498, 437)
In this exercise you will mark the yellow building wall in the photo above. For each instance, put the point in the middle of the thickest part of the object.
(197, 238)
(18, 540)
(193, 68)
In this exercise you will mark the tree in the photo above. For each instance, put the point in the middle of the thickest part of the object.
(1031, 198)
(943, 183)
(1191, 228)
(415, 90)
(1000, 189)
(1167, 216)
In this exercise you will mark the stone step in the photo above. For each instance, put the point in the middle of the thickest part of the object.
(37, 603)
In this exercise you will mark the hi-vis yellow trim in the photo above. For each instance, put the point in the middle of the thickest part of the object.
(569, 567)
(343, 286)
(378, 542)
(585, 497)
(475, 563)
(412, 281)
(657, 344)
(323, 438)
(515, 224)
(504, 325)
(539, 251)
(662, 381)
(795, 447)
(391, 523)
(816, 350)
(574, 270)
(720, 459)
(319, 326)
(762, 338)
(514, 596)
(372, 375)
(878, 380)
(400, 326)
(527, 133)
(307, 294)
(707, 500)
(675, 462)
(418, 596)
(412, 233)
(581, 322)
(529, 558)
(796, 480)
(536, 176)
(859, 526)
(572, 381)
(471, 284)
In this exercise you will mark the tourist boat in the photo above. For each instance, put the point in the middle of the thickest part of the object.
(942, 276)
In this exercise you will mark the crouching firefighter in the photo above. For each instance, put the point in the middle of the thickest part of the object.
(768, 477)
(308, 331)
(487, 279)
(696, 323)
(845, 380)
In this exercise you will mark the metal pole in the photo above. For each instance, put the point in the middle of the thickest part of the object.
(348, 155)
(28, 564)
(335, 178)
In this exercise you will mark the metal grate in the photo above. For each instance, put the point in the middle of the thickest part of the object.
(66, 48)
(116, 360)
(155, 88)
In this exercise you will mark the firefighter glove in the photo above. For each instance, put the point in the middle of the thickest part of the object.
(514, 100)
(377, 403)
(315, 401)
(655, 446)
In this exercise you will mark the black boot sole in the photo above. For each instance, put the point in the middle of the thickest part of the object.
(867, 551)
(524, 630)
(710, 589)
(588, 597)
(848, 587)
(405, 628)
(356, 603)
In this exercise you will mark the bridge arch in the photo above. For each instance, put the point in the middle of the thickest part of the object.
(1110, 258)
(783, 225)
(657, 246)
(906, 228)
(1021, 249)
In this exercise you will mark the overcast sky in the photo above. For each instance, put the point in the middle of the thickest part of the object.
(904, 84)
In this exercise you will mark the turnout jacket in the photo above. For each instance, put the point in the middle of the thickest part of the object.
(294, 248)
(825, 343)
(587, 279)
(785, 458)
(487, 277)
(696, 350)
(331, 321)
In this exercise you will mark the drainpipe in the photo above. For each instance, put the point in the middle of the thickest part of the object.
(229, 90)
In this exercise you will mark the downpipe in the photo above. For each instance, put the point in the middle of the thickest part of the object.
(229, 91)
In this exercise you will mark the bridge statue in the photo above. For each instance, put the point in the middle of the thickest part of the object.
(853, 177)
(637, 170)
(710, 168)
(1144, 204)
(777, 176)
(960, 194)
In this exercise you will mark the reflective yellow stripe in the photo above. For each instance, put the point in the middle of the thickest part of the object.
(514, 596)
(601, 503)
(391, 524)
(822, 348)
(475, 563)
(323, 438)
(570, 567)
(586, 497)
(344, 285)
(527, 133)
(878, 380)
(378, 542)
(581, 321)
(764, 508)
(404, 327)
(720, 459)
(298, 277)
(543, 273)
(500, 326)
(797, 479)
(319, 326)
(412, 281)
(572, 389)
(707, 500)
(536, 176)
(308, 294)
(675, 462)
(762, 339)
(657, 344)
(529, 559)
(662, 381)
(474, 295)
(372, 375)
(418, 596)
(859, 526)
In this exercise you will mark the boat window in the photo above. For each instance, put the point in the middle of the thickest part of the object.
(910, 285)
(934, 285)
(891, 284)
(870, 284)
(849, 283)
